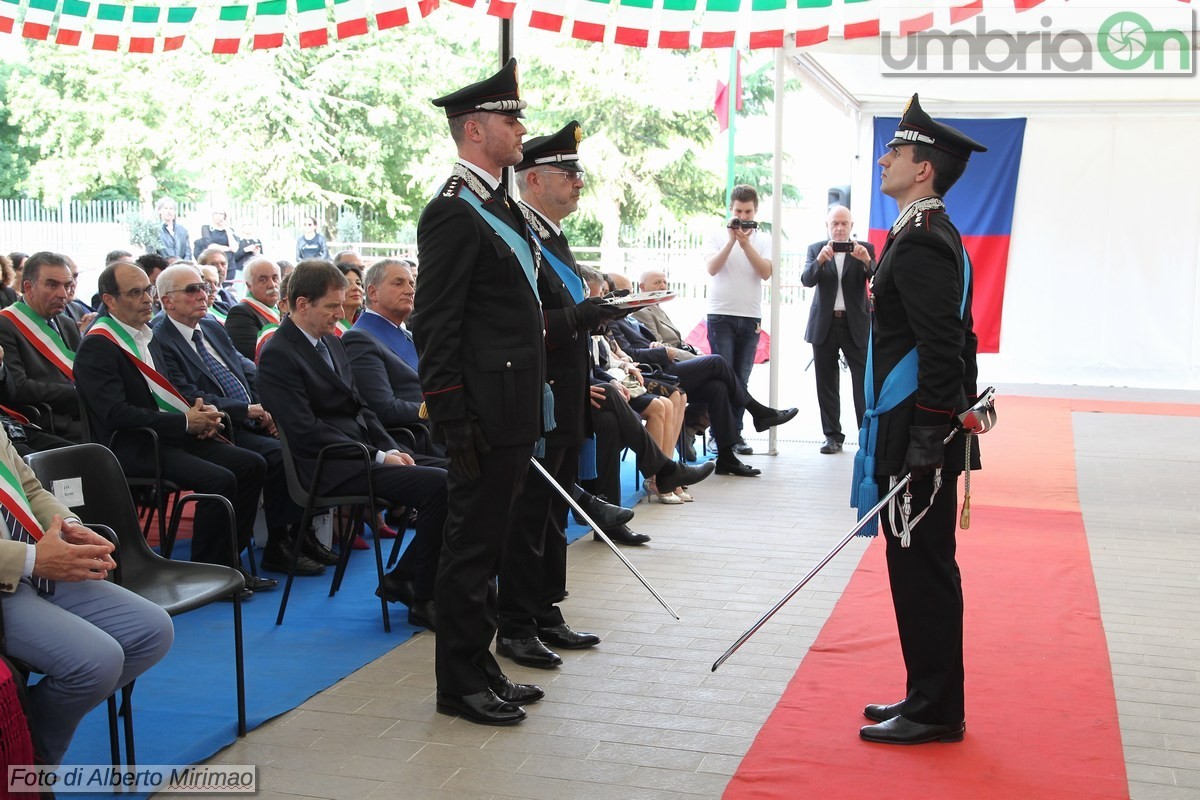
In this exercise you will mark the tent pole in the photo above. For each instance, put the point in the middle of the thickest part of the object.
(506, 52)
(776, 240)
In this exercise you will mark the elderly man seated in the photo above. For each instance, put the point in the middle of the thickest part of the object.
(258, 310)
(662, 329)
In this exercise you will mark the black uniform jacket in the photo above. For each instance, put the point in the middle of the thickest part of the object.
(477, 322)
(917, 293)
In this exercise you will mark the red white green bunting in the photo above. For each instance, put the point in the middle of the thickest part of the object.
(671, 24)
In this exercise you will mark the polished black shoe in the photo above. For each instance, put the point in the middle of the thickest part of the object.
(257, 584)
(563, 637)
(899, 730)
(277, 558)
(397, 589)
(831, 446)
(683, 475)
(482, 707)
(878, 713)
(623, 535)
(245, 594)
(606, 515)
(310, 546)
(731, 466)
(743, 449)
(423, 614)
(517, 694)
(528, 652)
(774, 417)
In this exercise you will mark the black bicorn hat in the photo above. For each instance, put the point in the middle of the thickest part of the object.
(917, 127)
(498, 94)
(558, 149)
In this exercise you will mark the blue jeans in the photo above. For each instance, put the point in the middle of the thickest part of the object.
(735, 339)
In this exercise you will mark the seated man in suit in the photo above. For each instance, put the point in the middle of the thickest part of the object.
(39, 341)
(196, 355)
(88, 636)
(662, 330)
(381, 350)
(258, 309)
(708, 380)
(306, 383)
(123, 389)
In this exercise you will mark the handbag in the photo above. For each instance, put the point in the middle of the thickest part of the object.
(630, 383)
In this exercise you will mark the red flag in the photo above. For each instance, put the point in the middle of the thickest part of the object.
(721, 102)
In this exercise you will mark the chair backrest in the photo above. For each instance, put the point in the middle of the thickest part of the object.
(296, 489)
(105, 497)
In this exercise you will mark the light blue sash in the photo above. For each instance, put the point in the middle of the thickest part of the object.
(518, 243)
(899, 384)
(573, 282)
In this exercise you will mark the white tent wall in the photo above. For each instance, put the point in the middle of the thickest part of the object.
(1103, 281)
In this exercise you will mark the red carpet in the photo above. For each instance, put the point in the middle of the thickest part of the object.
(1041, 716)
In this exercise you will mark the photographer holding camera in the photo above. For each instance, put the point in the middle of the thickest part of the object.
(838, 319)
(739, 260)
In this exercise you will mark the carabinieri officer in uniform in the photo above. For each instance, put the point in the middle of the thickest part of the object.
(922, 338)
(478, 329)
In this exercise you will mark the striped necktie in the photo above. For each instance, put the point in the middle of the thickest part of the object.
(17, 532)
(230, 385)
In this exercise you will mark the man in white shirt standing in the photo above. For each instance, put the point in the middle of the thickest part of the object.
(739, 260)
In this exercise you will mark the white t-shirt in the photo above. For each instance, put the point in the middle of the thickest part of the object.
(736, 290)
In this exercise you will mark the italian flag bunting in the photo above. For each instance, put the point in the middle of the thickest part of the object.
(269, 19)
(591, 20)
(635, 18)
(350, 18)
(770, 19)
(718, 28)
(231, 27)
(548, 15)
(860, 19)
(143, 27)
(675, 24)
(39, 16)
(70, 22)
(390, 13)
(179, 19)
(106, 30)
(960, 11)
(8, 14)
(313, 18)
(812, 23)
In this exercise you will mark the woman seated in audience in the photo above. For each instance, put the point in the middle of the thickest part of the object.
(355, 294)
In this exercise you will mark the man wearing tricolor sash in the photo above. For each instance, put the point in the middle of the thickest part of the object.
(88, 636)
(258, 309)
(478, 331)
(123, 389)
(39, 341)
(921, 372)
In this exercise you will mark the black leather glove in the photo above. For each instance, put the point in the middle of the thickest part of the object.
(925, 450)
(592, 313)
(464, 442)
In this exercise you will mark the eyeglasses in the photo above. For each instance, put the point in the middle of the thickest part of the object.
(210, 288)
(570, 176)
(192, 289)
(137, 294)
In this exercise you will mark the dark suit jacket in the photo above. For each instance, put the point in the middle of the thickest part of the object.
(478, 324)
(243, 325)
(182, 366)
(823, 277)
(118, 398)
(314, 405)
(567, 361)
(178, 245)
(35, 379)
(387, 383)
(635, 338)
(918, 290)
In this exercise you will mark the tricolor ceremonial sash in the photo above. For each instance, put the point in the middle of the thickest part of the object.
(265, 334)
(12, 497)
(263, 310)
(43, 338)
(217, 314)
(342, 326)
(166, 396)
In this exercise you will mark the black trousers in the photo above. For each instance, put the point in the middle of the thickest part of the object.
(829, 379)
(711, 381)
(533, 572)
(479, 520)
(618, 426)
(214, 467)
(927, 596)
(278, 507)
(422, 488)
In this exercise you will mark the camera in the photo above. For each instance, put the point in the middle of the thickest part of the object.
(744, 224)
(842, 247)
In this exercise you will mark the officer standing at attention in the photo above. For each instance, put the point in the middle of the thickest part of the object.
(921, 371)
(478, 330)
